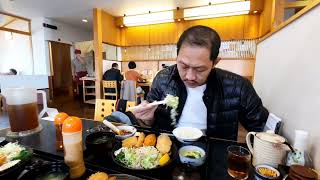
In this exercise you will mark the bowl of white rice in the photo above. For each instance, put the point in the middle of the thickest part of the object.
(187, 135)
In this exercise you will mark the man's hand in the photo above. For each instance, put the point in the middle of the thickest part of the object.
(145, 114)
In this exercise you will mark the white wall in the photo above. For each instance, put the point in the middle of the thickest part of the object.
(287, 77)
(39, 47)
(16, 53)
(41, 36)
(66, 33)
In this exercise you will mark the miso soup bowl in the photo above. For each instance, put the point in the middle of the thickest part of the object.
(100, 148)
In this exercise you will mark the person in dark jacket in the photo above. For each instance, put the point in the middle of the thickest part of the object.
(210, 98)
(114, 74)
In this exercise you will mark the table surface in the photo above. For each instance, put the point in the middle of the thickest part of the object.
(215, 167)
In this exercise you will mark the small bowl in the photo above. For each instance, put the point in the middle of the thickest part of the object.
(189, 160)
(259, 176)
(187, 135)
(132, 129)
(100, 143)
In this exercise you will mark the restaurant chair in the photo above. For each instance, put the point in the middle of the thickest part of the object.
(131, 104)
(105, 107)
(110, 90)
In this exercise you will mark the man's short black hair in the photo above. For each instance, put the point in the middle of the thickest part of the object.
(114, 65)
(13, 71)
(132, 65)
(202, 36)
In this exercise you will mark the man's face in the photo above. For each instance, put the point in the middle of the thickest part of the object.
(194, 65)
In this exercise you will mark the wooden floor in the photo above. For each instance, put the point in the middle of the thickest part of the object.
(75, 107)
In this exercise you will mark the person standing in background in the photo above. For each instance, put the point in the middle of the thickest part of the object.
(132, 74)
(79, 68)
(113, 74)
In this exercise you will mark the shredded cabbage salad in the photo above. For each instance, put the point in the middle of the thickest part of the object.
(173, 102)
(11, 150)
(146, 157)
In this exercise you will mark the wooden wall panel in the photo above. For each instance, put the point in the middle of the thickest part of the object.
(111, 33)
(138, 35)
(229, 28)
(266, 18)
(163, 33)
(251, 27)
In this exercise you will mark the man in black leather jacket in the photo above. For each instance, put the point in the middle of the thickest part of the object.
(226, 98)
(114, 74)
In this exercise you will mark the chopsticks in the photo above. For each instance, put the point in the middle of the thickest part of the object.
(154, 103)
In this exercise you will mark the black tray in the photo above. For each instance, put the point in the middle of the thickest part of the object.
(160, 173)
(45, 162)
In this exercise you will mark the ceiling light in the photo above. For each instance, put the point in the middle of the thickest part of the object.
(255, 12)
(219, 10)
(150, 18)
(218, 15)
(85, 20)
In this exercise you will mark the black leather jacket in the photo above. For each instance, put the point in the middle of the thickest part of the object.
(229, 98)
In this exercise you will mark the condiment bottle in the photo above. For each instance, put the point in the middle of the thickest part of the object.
(72, 142)
(58, 122)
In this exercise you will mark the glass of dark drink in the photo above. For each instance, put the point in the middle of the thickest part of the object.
(22, 111)
(239, 160)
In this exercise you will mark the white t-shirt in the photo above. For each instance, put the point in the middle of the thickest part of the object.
(194, 113)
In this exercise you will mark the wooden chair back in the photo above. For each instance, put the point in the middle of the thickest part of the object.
(130, 104)
(112, 85)
(105, 107)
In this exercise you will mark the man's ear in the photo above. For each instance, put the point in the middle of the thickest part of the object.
(216, 61)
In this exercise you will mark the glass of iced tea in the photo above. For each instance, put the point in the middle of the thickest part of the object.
(239, 160)
(22, 111)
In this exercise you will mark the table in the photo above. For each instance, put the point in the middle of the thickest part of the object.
(44, 142)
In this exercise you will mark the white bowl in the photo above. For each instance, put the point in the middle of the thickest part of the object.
(192, 161)
(132, 129)
(187, 135)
